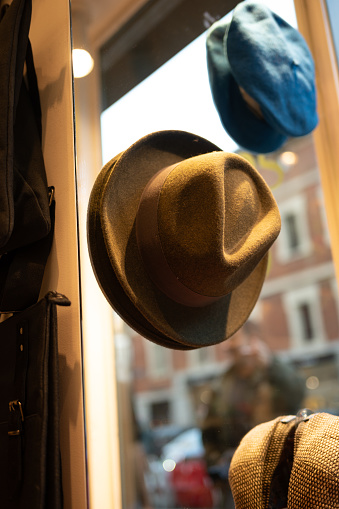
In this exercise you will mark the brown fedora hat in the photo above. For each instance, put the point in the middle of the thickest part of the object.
(178, 235)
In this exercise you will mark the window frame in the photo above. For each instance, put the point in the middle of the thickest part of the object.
(103, 444)
(158, 361)
(295, 207)
(308, 295)
(314, 24)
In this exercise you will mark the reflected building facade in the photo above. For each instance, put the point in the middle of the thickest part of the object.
(297, 311)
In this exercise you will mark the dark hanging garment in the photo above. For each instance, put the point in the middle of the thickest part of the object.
(30, 463)
(25, 199)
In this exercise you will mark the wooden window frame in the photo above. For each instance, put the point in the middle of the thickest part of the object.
(314, 24)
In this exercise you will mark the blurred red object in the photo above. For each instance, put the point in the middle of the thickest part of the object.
(191, 484)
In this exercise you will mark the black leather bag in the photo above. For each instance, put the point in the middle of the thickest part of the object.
(25, 199)
(30, 466)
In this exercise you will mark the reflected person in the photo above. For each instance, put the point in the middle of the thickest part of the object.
(256, 387)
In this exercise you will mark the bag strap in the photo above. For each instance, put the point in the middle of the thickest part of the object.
(281, 476)
(279, 488)
(15, 409)
(42, 343)
(22, 271)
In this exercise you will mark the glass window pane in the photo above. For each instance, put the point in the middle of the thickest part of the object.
(185, 412)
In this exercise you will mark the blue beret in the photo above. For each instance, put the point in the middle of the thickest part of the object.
(269, 59)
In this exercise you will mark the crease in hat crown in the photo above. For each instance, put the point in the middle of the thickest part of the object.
(215, 220)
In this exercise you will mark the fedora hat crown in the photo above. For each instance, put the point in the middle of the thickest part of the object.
(204, 224)
(178, 234)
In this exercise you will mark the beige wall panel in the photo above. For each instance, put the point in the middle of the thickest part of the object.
(50, 36)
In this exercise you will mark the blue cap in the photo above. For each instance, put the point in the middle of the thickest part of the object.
(262, 54)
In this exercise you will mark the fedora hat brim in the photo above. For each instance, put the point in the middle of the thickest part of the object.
(117, 262)
(105, 275)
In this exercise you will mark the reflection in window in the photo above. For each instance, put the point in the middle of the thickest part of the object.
(303, 309)
(160, 413)
(294, 240)
(294, 325)
(292, 232)
(158, 360)
(305, 317)
(200, 357)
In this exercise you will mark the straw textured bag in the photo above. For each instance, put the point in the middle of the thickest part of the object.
(288, 463)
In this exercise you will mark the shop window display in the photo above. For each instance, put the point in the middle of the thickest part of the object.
(283, 359)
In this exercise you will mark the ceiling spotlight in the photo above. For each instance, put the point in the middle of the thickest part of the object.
(83, 63)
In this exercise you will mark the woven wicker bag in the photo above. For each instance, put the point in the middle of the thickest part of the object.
(288, 462)
(314, 481)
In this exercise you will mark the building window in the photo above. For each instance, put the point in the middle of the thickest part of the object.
(294, 240)
(292, 232)
(322, 210)
(200, 357)
(334, 287)
(307, 329)
(158, 360)
(160, 413)
(303, 311)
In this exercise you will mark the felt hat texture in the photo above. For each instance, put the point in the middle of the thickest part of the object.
(259, 55)
(288, 463)
(178, 235)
